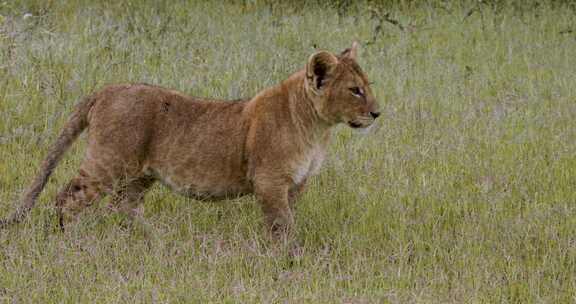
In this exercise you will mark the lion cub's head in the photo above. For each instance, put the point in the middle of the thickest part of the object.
(340, 90)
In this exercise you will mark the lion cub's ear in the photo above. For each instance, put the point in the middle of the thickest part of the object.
(319, 69)
(352, 52)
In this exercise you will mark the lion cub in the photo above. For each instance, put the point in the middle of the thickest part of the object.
(208, 149)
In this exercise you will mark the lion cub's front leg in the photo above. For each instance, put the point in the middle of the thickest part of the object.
(272, 194)
(295, 192)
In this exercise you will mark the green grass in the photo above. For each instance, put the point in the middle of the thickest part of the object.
(464, 193)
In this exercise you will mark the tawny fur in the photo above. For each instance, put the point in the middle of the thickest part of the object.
(208, 149)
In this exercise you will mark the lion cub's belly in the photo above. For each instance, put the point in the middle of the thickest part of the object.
(199, 186)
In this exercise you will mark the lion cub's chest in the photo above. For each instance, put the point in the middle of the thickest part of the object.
(308, 164)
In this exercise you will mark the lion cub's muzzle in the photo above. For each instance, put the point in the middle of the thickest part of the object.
(364, 121)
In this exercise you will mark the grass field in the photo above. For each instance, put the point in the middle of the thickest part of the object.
(465, 192)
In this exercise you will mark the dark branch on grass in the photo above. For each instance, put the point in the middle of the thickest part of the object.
(393, 21)
(380, 19)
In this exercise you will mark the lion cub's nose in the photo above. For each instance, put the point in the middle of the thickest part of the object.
(374, 114)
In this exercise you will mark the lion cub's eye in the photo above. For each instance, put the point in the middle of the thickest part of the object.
(357, 91)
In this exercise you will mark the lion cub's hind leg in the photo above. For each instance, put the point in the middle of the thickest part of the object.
(129, 196)
(128, 199)
(78, 194)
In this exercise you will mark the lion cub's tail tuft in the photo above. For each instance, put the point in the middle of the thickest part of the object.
(77, 122)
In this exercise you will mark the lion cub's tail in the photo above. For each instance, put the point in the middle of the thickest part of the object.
(77, 122)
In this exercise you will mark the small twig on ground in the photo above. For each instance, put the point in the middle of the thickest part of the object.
(470, 13)
(475, 8)
(393, 21)
(381, 19)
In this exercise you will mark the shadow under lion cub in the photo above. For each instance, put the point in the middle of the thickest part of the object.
(208, 149)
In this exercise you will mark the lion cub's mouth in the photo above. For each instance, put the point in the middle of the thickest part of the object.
(358, 125)
(354, 125)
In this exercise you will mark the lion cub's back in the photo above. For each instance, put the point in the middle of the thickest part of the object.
(137, 122)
